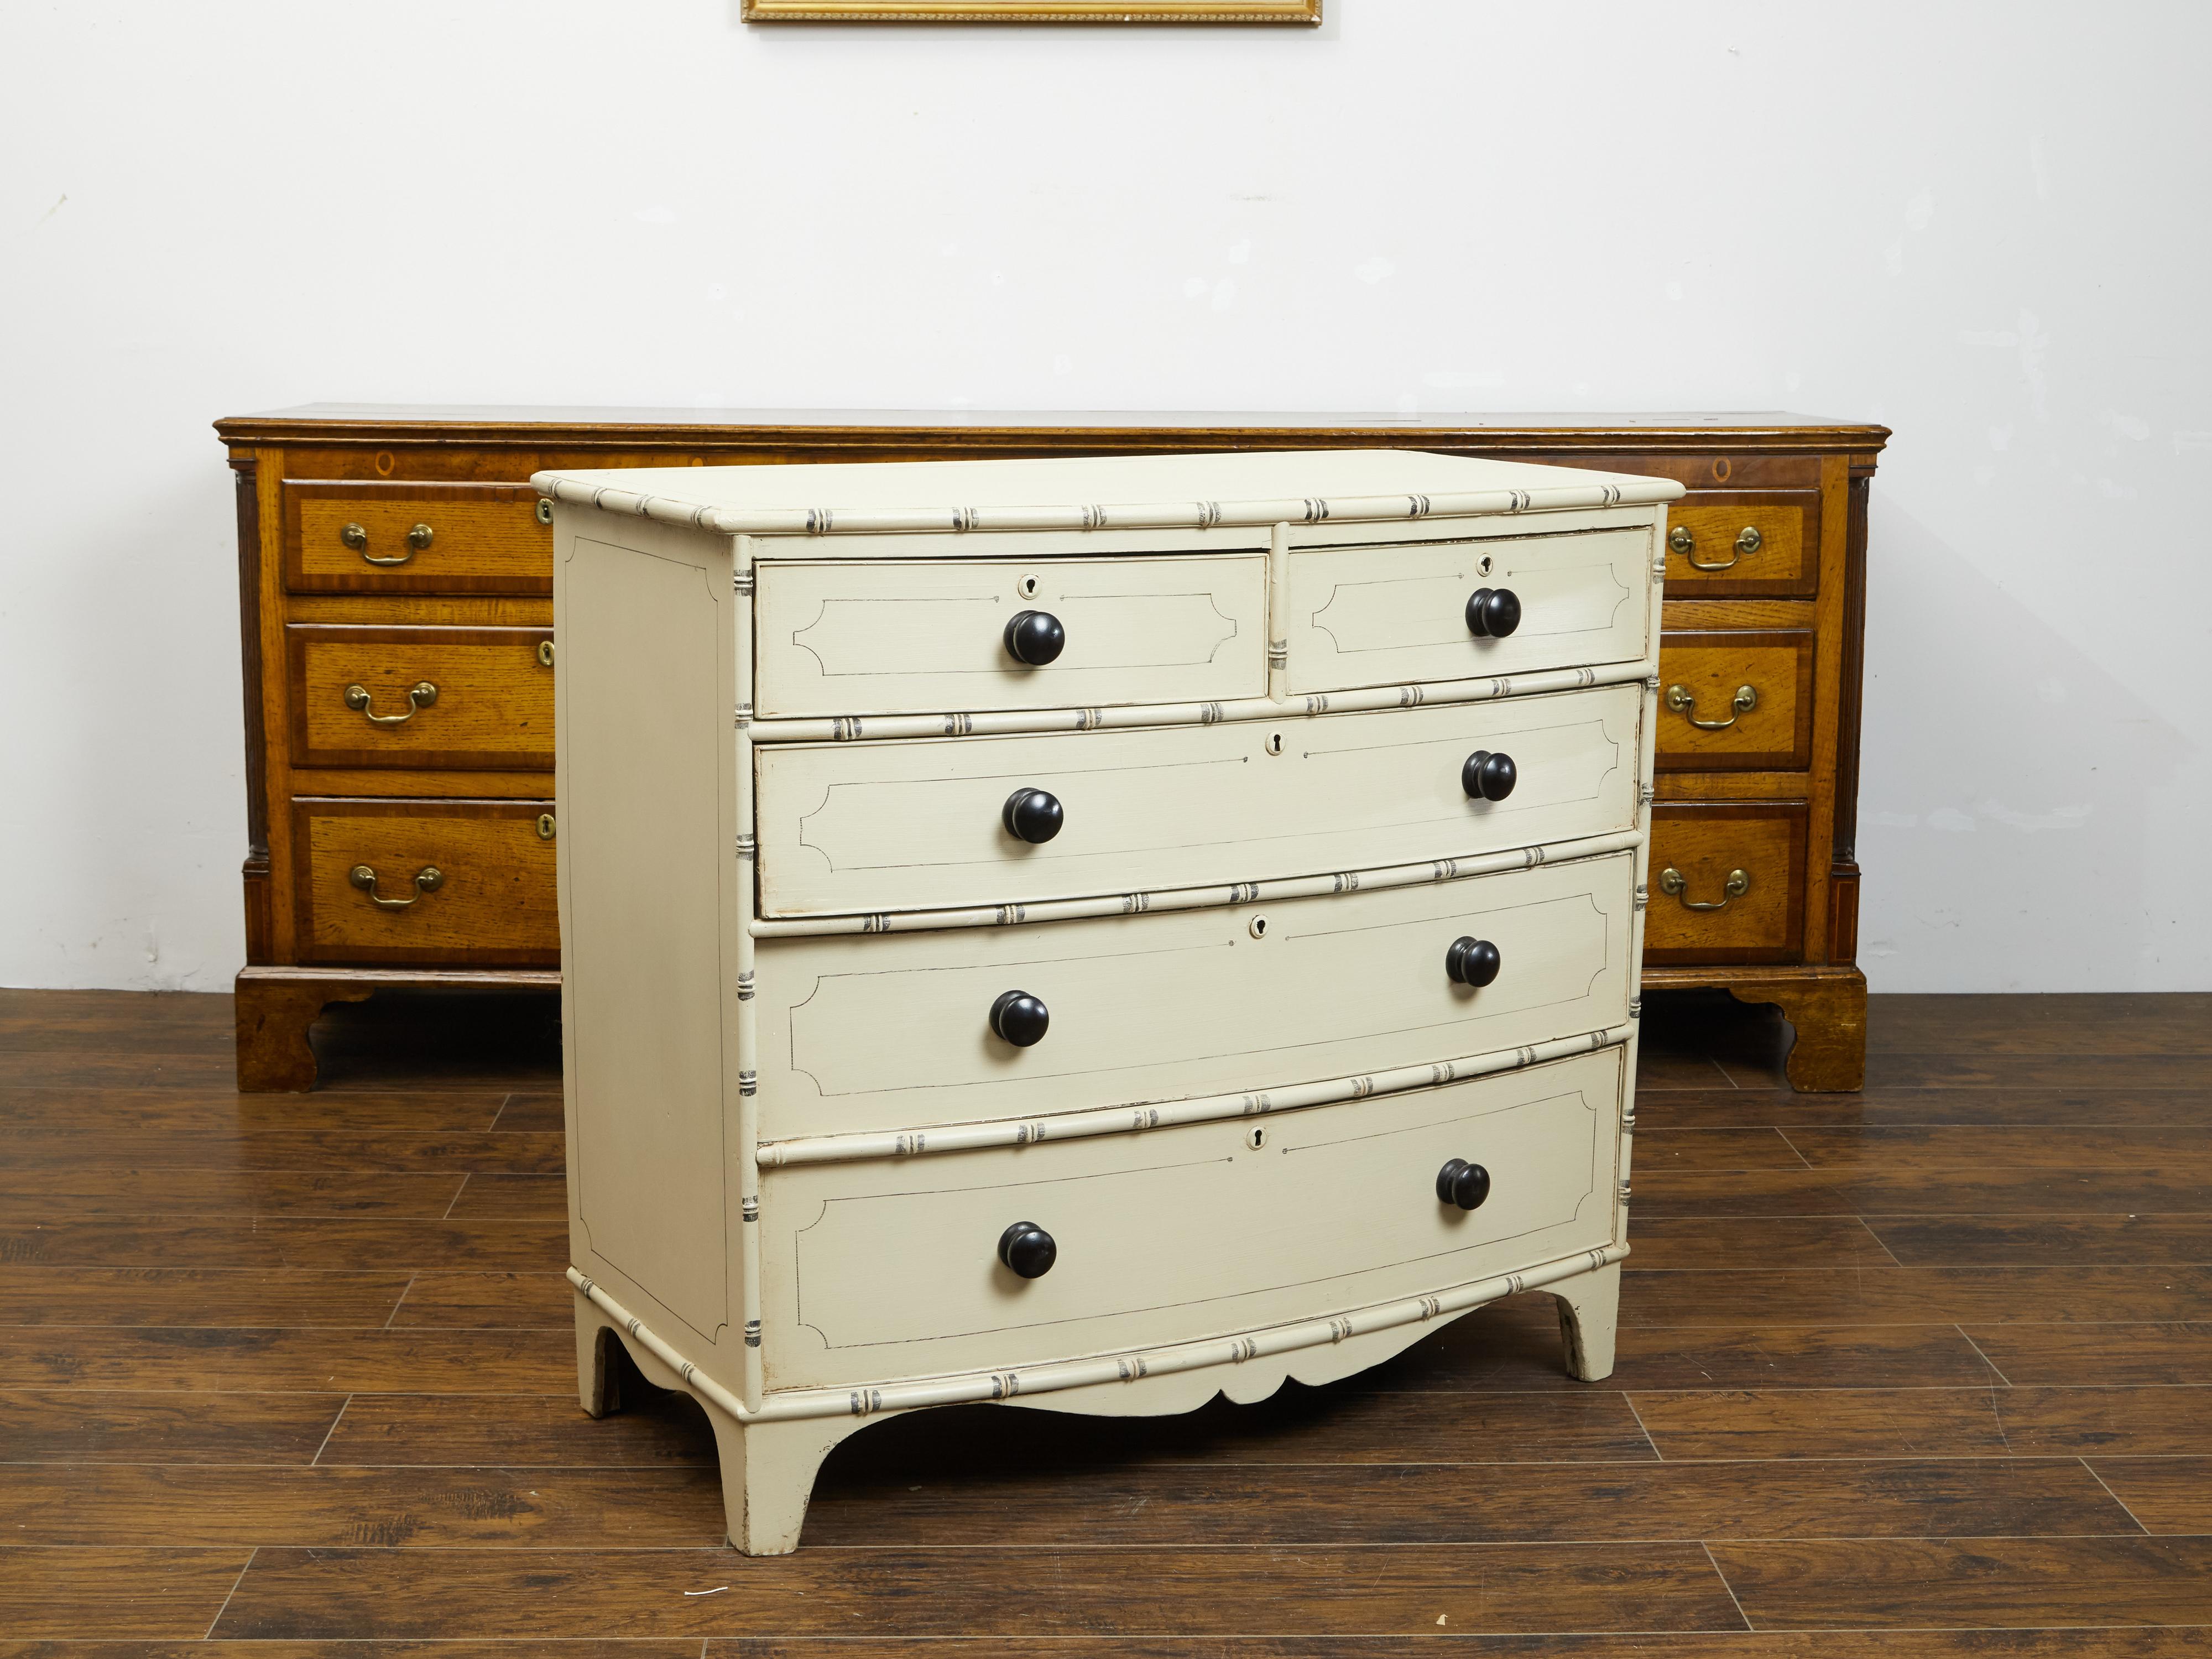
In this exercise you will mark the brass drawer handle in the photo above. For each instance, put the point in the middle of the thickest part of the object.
(429, 879)
(420, 696)
(1684, 541)
(1671, 881)
(357, 536)
(1683, 702)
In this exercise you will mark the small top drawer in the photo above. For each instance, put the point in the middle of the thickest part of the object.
(882, 637)
(1728, 544)
(361, 538)
(1395, 614)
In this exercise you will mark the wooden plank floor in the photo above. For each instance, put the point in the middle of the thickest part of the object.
(1917, 1371)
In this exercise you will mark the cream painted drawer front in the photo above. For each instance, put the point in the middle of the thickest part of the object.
(1393, 616)
(864, 636)
(890, 1032)
(901, 826)
(889, 1269)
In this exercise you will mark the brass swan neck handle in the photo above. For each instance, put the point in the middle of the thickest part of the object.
(1684, 540)
(429, 879)
(420, 696)
(355, 536)
(1684, 701)
(1671, 881)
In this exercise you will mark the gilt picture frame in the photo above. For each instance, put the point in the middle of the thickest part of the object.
(1031, 11)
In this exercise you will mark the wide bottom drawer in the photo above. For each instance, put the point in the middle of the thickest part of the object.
(886, 1032)
(890, 1268)
(426, 882)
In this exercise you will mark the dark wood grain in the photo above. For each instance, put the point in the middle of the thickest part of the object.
(1813, 1241)
(2165, 1494)
(2020, 1421)
(330, 1360)
(334, 1242)
(1512, 1344)
(174, 1297)
(109, 1425)
(114, 1592)
(2130, 1355)
(2056, 1240)
(1194, 1592)
(1955, 1375)
(1916, 1295)
(1968, 1584)
(1738, 1109)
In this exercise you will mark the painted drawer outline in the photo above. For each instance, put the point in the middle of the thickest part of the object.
(1143, 845)
(970, 669)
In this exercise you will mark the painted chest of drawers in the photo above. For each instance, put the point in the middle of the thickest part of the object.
(1091, 934)
(383, 550)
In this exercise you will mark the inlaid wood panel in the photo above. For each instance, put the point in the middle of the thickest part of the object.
(483, 538)
(1748, 544)
(855, 636)
(1176, 1004)
(1707, 843)
(848, 827)
(494, 903)
(1394, 614)
(492, 706)
(1174, 1234)
(1702, 677)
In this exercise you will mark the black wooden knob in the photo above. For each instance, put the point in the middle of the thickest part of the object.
(1019, 1018)
(1492, 612)
(1459, 1183)
(1472, 962)
(1035, 636)
(1488, 775)
(1029, 1249)
(1031, 815)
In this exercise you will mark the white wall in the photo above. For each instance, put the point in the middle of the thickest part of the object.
(1983, 224)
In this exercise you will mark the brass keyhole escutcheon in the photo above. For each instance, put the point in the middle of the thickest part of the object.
(1255, 1137)
(544, 654)
(429, 879)
(544, 510)
(546, 827)
(420, 696)
(1672, 881)
(1684, 701)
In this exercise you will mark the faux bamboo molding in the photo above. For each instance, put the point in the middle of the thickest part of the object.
(1165, 515)
(1135, 1119)
(973, 1387)
(1135, 716)
(1201, 898)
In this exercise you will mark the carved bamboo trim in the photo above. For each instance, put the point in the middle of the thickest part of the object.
(1202, 898)
(1206, 1109)
(795, 1404)
(1165, 515)
(1009, 722)
(745, 870)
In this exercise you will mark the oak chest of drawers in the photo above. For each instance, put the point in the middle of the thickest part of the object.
(385, 549)
(1091, 934)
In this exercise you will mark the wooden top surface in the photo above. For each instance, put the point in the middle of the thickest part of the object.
(820, 427)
